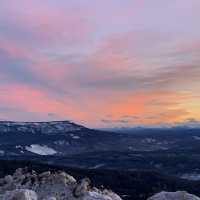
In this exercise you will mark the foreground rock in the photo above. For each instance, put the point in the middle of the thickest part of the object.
(24, 185)
(180, 195)
(20, 194)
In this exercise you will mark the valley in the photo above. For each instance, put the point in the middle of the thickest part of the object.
(172, 151)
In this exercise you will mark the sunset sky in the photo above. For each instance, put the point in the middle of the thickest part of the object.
(102, 63)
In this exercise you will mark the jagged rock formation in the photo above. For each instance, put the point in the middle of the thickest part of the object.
(180, 195)
(24, 185)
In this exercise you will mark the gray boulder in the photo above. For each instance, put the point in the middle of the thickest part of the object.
(180, 195)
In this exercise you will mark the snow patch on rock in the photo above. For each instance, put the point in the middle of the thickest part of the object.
(196, 137)
(40, 149)
(191, 177)
(2, 152)
(76, 137)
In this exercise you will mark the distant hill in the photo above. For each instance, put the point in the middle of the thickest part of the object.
(51, 127)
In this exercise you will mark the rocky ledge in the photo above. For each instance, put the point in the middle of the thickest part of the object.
(25, 185)
(29, 185)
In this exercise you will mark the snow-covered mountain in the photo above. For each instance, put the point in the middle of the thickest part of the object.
(39, 138)
(51, 138)
(66, 138)
(39, 127)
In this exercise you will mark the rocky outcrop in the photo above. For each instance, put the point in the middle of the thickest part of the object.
(30, 185)
(25, 185)
(22, 194)
(180, 195)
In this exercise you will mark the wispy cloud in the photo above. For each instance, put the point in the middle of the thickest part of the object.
(134, 61)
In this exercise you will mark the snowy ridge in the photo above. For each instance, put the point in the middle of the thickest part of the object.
(39, 127)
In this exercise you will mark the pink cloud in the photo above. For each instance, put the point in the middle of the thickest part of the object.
(109, 49)
(48, 23)
(39, 102)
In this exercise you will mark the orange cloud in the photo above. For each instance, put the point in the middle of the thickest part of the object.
(152, 108)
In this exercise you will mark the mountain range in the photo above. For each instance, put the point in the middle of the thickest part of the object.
(173, 151)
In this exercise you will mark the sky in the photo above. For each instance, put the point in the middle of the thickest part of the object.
(101, 63)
